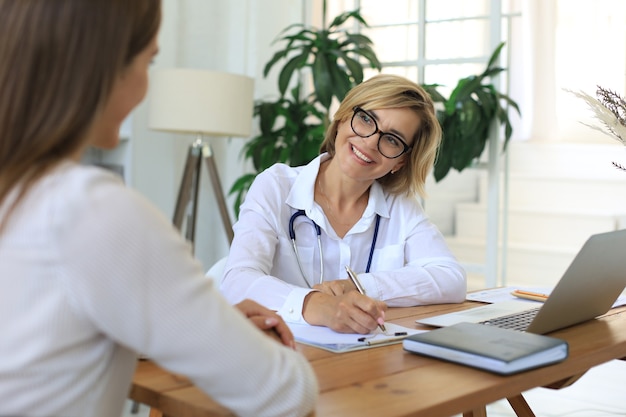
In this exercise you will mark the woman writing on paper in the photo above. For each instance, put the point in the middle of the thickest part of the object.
(355, 205)
(91, 274)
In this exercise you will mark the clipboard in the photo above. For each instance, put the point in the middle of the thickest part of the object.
(327, 339)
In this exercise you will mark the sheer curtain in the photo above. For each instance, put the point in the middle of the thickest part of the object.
(532, 69)
(567, 44)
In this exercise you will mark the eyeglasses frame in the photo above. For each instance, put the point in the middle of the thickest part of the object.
(357, 109)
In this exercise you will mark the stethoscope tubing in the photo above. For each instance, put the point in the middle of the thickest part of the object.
(318, 232)
(292, 235)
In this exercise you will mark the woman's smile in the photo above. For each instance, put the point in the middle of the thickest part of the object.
(360, 155)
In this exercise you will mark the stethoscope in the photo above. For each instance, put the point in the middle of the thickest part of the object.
(318, 232)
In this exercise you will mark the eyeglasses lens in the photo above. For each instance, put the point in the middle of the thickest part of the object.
(365, 126)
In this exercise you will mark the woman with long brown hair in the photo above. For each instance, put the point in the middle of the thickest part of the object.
(91, 274)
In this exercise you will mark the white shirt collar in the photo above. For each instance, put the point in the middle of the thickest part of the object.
(301, 195)
(302, 191)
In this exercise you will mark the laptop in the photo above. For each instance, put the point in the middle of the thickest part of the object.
(588, 288)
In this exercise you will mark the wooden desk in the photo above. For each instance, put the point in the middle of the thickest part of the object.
(387, 381)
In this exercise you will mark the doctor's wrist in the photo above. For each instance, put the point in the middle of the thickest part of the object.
(310, 307)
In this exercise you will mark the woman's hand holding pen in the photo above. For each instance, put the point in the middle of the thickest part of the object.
(268, 321)
(346, 313)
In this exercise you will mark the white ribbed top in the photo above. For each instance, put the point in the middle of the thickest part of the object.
(90, 275)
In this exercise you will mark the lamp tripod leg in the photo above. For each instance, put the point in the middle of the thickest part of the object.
(188, 194)
(207, 153)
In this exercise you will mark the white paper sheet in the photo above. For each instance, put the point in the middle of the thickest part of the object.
(327, 339)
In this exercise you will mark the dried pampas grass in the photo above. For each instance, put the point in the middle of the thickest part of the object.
(610, 109)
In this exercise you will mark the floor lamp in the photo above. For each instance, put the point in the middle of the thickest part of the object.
(203, 103)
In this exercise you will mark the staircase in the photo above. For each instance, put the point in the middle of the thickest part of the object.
(558, 195)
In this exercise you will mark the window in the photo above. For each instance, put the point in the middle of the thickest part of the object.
(590, 50)
(435, 42)
(551, 45)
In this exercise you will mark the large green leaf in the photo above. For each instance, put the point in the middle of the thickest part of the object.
(444, 154)
(343, 17)
(277, 57)
(354, 67)
(341, 81)
(292, 127)
(431, 89)
(290, 67)
(368, 53)
(473, 106)
(463, 91)
(322, 80)
(495, 54)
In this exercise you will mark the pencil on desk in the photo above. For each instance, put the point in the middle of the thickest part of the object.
(529, 295)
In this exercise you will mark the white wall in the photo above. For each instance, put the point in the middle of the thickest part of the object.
(233, 36)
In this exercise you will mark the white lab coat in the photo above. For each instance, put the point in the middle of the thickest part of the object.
(411, 263)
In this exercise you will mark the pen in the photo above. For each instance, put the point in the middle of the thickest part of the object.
(396, 334)
(384, 341)
(360, 289)
(530, 295)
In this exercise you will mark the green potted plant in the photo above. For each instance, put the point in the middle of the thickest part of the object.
(467, 116)
(291, 128)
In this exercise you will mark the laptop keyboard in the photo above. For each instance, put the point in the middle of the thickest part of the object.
(516, 321)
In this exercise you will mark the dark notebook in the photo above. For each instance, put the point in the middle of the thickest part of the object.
(494, 349)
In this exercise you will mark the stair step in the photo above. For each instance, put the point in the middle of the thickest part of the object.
(546, 226)
(444, 195)
(558, 194)
(567, 159)
(526, 265)
(532, 191)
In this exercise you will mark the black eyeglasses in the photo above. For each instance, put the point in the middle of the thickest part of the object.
(389, 145)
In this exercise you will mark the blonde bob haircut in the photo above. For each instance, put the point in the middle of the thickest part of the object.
(386, 91)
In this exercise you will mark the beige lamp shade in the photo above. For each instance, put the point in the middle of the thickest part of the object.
(200, 101)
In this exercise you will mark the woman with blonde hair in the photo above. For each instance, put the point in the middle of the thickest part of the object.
(90, 272)
(355, 206)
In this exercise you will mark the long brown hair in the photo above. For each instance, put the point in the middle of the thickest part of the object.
(59, 60)
(387, 91)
